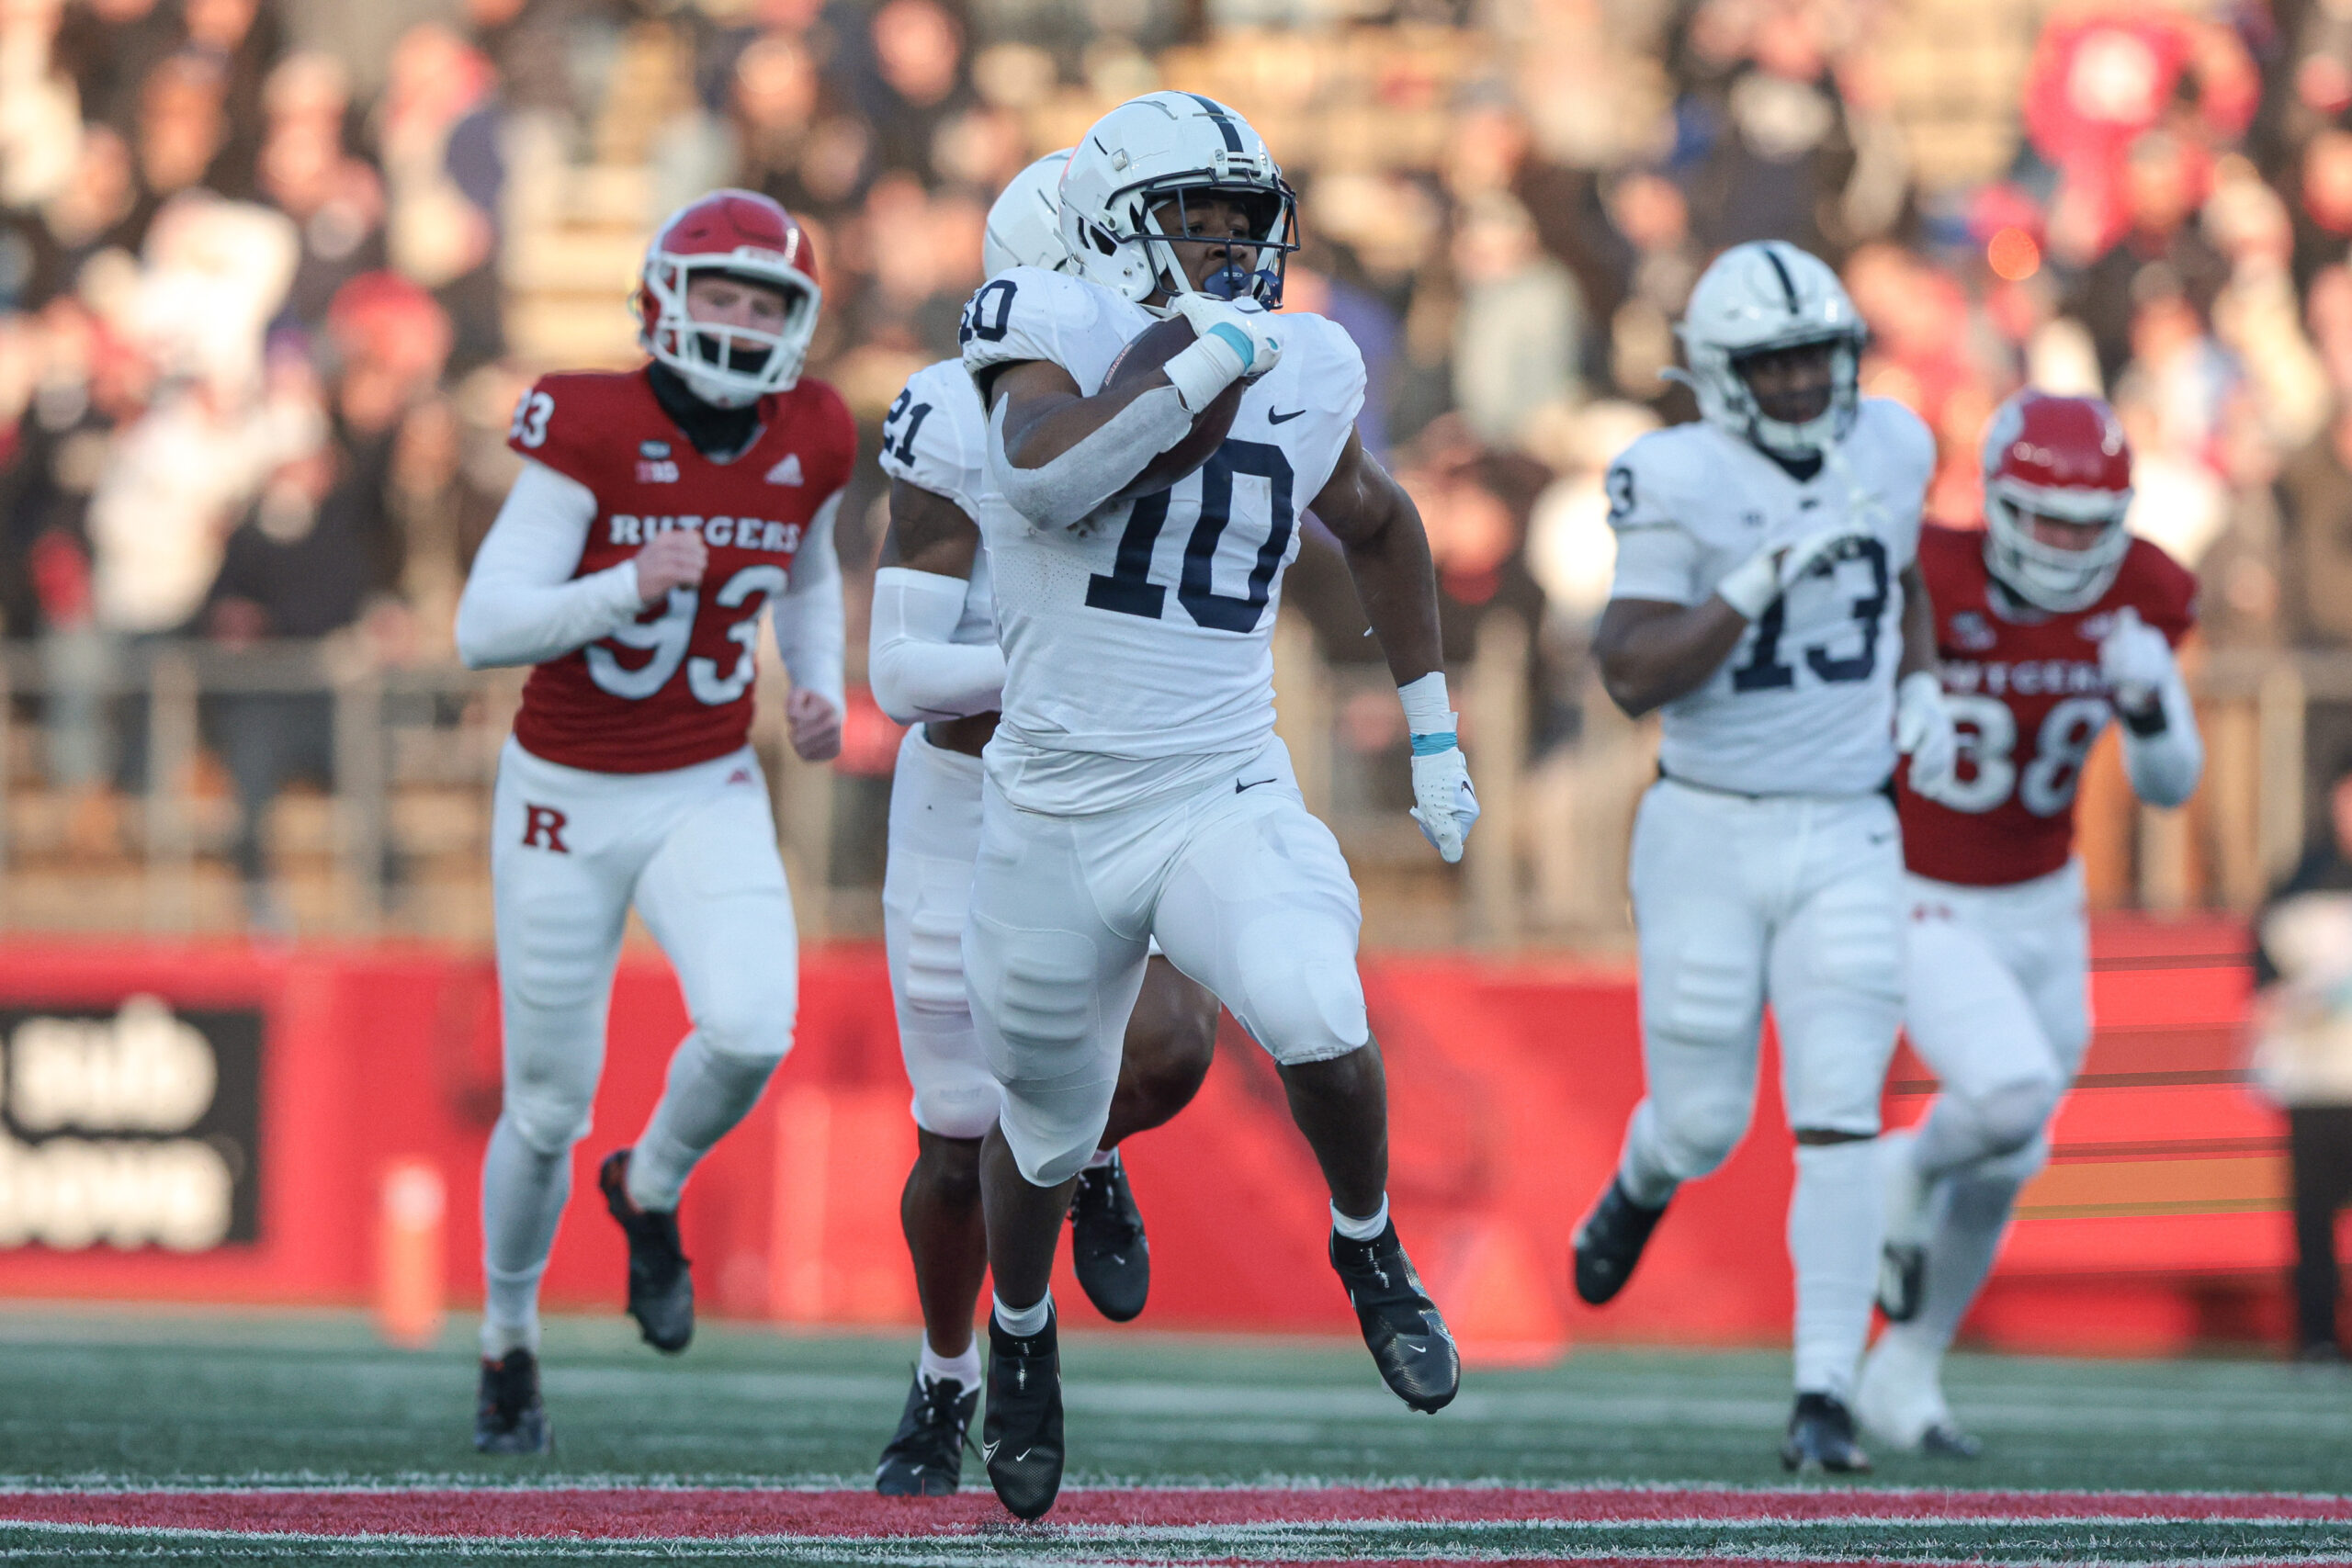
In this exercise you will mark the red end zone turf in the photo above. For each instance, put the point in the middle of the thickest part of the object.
(713, 1514)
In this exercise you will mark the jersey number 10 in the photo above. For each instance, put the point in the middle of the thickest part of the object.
(1128, 588)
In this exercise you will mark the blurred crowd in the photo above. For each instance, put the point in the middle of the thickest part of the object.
(262, 309)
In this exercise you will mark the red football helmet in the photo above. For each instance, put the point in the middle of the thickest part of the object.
(739, 235)
(2062, 458)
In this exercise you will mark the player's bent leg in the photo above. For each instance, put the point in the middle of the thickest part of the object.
(1702, 948)
(1171, 1037)
(559, 899)
(714, 896)
(1260, 906)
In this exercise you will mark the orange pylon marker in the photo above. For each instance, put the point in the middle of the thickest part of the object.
(412, 1204)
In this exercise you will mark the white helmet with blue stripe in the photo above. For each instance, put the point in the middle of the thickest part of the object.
(1025, 222)
(1174, 147)
(1760, 298)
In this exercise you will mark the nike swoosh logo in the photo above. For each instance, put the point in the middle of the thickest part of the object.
(1881, 838)
(1273, 418)
(1238, 787)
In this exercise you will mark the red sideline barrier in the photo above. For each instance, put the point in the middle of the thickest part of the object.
(2157, 1226)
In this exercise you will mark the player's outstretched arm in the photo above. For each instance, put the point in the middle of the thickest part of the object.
(916, 670)
(521, 604)
(1388, 555)
(810, 617)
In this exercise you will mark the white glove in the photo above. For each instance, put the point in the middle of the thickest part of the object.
(1234, 338)
(1752, 586)
(1923, 732)
(2136, 661)
(1443, 803)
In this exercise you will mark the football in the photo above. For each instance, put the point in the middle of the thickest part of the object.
(1147, 352)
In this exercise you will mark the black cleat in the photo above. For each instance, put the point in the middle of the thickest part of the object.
(1021, 1441)
(1609, 1243)
(925, 1458)
(1821, 1436)
(1106, 1241)
(1902, 1281)
(661, 1290)
(1946, 1440)
(1407, 1339)
(508, 1416)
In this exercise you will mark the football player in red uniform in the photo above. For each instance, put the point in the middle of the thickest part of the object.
(660, 515)
(2050, 621)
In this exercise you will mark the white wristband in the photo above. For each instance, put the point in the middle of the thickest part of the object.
(1753, 585)
(1201, 372)
(1428, 710)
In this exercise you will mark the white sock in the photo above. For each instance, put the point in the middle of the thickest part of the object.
(708, 1092)
(1102, 1157)
(1642, 1169)
(964, 1368)
(1836, 1222)
(523, 1193)
(1361, 1230)
(1971, 1215)
(1026, 1320)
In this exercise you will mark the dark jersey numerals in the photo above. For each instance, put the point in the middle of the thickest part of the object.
(913, 413)
(990, 315)
(1127, 588)
(1766, 671)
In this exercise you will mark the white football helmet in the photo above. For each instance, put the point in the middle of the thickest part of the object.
(1025, 222)
(1754, 299)
(1163, 147)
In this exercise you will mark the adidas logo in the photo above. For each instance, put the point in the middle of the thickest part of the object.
(788, 473)
(740, 775)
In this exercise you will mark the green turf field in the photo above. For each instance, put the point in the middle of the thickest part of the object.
(113, 1399)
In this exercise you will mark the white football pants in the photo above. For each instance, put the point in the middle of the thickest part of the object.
(1793, 898)
(695, 849)
(1999, 1009)
(1245, 892)
(926, 891)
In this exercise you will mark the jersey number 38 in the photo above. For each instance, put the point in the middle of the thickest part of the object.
(1990, 768)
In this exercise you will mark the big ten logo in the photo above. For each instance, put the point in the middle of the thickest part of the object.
(135, 1129)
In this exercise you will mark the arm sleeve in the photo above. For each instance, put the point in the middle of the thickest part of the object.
(916, 672)
(521, 604)
(808, 616)
(1657, 559)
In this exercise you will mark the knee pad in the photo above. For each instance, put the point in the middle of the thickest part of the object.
(1696, 1129)
(2007, 1172)
(549, 1117)
(750, 1021)
(1037, 1007)
(955, 1096)
(1301, 1005)
(2012, 1115)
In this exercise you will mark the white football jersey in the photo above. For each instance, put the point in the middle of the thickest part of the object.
(1806, 704)
(935, 437)
(1138, 646)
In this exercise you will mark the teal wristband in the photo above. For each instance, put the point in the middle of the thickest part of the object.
(1430, 744)
(1240, 341)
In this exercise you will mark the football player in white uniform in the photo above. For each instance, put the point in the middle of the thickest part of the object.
(934, 665)
(1767, 601)
(1135, 789)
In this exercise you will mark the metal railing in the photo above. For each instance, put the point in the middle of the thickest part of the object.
(396, 842)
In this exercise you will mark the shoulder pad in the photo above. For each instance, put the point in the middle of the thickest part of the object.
(1647, 478)
(1024, 314)
(933, 436)
(570, 423)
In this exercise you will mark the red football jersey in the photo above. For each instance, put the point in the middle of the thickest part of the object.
(2028, 699)
(675, 688)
